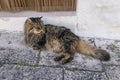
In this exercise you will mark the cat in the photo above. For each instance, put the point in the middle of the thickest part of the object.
(60, 40)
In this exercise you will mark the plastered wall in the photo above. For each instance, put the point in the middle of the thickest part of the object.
(98, 18)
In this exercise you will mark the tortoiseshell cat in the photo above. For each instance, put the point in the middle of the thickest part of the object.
(60, 40)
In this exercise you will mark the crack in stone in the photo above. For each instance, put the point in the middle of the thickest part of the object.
(58, 66)
(103, 67)
(38, 59)
(106, 75)
(63, 74)
(110, 64)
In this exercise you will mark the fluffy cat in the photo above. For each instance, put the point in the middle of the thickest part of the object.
(60, 40)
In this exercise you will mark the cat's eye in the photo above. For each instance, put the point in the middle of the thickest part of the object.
(38, 28)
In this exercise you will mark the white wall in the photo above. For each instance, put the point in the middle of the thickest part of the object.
(98, 18)
(94, 18)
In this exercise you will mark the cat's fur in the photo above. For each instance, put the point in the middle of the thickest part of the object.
(60, 40)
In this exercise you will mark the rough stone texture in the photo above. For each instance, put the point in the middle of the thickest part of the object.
(19, 56)
(113, 47)
(15, 72)
(79, 61)
(46, 58)
(85, 63)
(20, 62)
(113, 72)
(84, 75)
(12, 39)
(13, 50)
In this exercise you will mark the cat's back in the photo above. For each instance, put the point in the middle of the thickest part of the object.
(53, 29)
(50, 27)
(59, 31)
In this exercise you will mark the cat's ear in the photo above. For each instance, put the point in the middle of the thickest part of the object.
(41, 17)
(29, 21)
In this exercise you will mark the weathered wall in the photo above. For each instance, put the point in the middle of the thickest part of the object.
(94, 18)
(98, 18)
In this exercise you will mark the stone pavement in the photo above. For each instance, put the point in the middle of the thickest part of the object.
(19, 62)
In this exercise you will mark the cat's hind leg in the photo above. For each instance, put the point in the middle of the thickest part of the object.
(64, 58)
(59, 57)
(67, 58)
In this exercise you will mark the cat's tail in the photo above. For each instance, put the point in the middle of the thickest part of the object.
(81, 47)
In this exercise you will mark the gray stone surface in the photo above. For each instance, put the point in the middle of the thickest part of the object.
(20, 62)
(113, 72)
(11, 39)
(16, 72)
(13, 50)
(113, 47)
(19, 56)
(46, 58)
(79, 62)
(84, 75)
(85, 63)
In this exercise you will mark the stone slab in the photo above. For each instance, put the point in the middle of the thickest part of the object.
(16, 72)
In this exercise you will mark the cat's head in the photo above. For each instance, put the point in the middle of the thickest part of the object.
(35, 25)
(33, 30)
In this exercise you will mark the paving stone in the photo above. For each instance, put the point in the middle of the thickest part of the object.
(15, 72)
(79, 61)
(19, 56)
(113, 72)
(113, 47)
(85, 62)
(12, 39)
(47, 58)
(84, 75)
(13, 49)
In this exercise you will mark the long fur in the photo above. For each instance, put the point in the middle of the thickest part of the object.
(60, 40)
